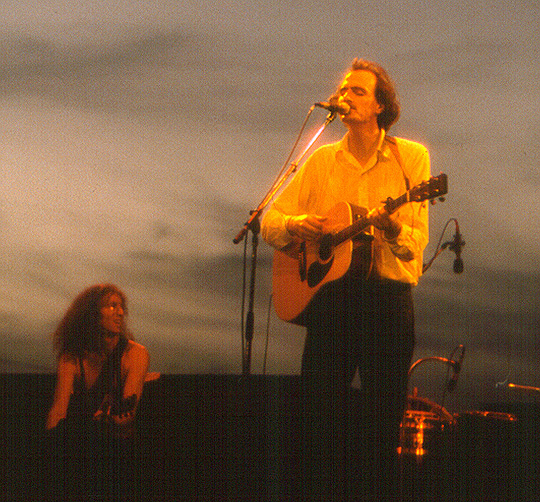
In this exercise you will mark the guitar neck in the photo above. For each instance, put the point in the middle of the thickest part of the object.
(361, 223)
(350, 232)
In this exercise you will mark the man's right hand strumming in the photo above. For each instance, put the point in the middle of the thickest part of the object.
(307, 227)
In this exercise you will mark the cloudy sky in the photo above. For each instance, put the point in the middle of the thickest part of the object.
(137, 136)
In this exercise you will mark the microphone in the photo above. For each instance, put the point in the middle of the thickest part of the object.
(457, 368)
(455, 246)
(341, 108)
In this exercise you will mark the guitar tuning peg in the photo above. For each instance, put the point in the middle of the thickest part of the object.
(434, 201)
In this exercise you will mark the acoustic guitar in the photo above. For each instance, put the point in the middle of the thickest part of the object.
(303, 268)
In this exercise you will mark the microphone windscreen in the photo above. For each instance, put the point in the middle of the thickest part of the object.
(458, 266)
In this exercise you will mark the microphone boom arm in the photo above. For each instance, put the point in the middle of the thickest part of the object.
(253, 224)
(281, 180)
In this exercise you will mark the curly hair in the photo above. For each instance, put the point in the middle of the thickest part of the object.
(385, 92)
(80, 329)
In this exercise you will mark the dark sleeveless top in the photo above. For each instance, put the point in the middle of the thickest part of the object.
(85, 402)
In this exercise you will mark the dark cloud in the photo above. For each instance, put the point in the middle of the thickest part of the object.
(472, 61)
(185, 272)
(208, 77)
(23, 353)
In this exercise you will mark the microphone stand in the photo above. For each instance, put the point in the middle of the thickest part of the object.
(442, 247)
(526, 388)
(253, 225)
(451, 363)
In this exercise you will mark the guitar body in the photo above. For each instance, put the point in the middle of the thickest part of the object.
(301, 271)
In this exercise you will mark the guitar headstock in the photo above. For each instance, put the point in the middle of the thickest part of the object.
(435, 187)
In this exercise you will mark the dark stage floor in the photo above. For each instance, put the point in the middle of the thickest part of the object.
(209, 437)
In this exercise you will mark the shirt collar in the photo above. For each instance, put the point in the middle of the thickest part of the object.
(382, 149)
(382, 137)
(343, 143)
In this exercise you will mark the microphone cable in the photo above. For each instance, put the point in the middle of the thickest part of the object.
(440, 247)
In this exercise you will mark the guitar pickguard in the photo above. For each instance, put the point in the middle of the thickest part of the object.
(317, 272)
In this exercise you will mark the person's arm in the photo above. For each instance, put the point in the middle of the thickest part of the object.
(67, 369)
(293, 215)
(137, 363)
(406, 230)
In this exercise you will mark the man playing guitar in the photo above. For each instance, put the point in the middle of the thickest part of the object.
(362, 322)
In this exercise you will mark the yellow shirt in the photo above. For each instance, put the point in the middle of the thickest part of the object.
(332, 174)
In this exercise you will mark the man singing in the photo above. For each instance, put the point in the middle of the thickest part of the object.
(361, 323)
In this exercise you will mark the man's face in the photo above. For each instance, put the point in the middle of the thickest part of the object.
(112, 313)
(358, 91)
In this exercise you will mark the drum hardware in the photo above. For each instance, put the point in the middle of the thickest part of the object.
(485, 435)
(424, 426)
(425, 423)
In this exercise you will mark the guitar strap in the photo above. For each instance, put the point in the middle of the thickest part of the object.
(392, 144)
(114, 371)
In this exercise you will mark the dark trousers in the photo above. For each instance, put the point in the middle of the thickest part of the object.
(365, 327)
